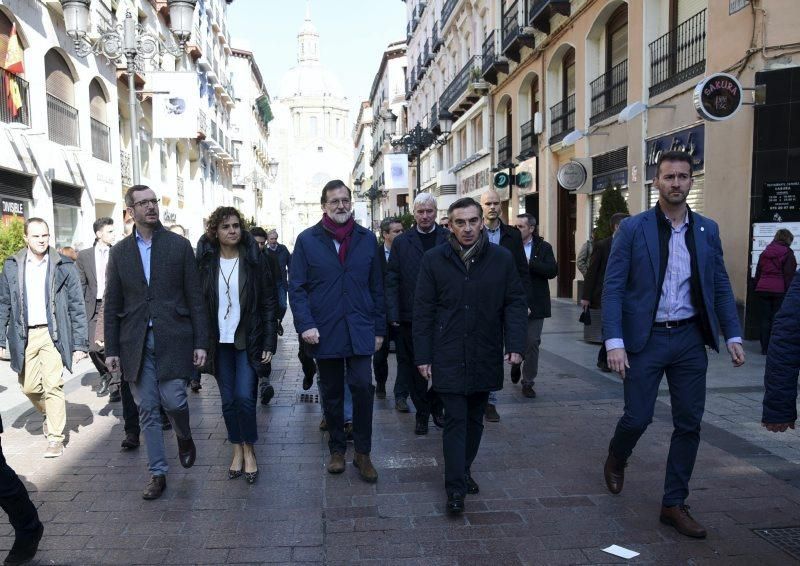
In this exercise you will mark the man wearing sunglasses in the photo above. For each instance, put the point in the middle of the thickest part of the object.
(155, 328)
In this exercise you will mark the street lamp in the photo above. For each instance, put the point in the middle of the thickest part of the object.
(272, 169)
(373, 193)
(132, 41)
(418, 140)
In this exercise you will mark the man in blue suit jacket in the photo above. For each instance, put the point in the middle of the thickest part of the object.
(666, 296)
(336, 294)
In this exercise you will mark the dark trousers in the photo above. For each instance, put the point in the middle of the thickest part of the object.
(422, 398)
(463, 428)
(380, 365)
(130, 412)
(237, 389)
(769, 305)
(356, 371)
(16, 503)
(680, 353)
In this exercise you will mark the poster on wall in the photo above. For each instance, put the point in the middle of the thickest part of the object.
(12, 209)
(781, 201)
(395, 167)
(764, 233)
(175, 104)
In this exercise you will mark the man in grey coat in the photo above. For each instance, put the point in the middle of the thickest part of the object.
(156, 328)
(43, 325)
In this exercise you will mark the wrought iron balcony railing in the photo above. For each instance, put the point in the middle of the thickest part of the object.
(489, 53)
(510, 25)
(62, 122)
(16, 103)
(447, 10)
(460, 82)
(504, 151)
(609, 93)
(527, 146)
(678, 55)
(562, 119)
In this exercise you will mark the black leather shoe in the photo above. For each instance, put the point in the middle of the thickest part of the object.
(24, 549)
(491, 414)
(103, 388)
(516, 373)
(380, 390)
(614, 472)
(115, 396)
(280, 329)
(528, 391)
(401, 405)
(455, 504)
(308, 381)
(155, 487)
(186, 452)
(195, 385)
(472, 485)
(421, 426)
(131, 441)
(437, 414)
(267, 394)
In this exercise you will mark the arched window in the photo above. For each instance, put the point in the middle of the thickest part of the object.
(62, 116)
(617, 37)
(98, 105)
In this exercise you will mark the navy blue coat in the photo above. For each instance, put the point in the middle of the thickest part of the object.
(344, 303)
(402, 272)
(284, 259)
(462, 319)
(783, 360)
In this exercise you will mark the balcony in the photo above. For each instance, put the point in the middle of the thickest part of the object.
(101, 141)
(409, 32)
(465, 89)
(515, 36)
(562, 119)
(202, 125)
(433, 123)
(420, 68)
(436, 39)
(527, 147)
(14, 92)
(62, 122)
(427, 58)
(447, 10)
(678, 55)
(493, 62)
(609, 93)
(504, 158)
(126, 170)
(542, 10)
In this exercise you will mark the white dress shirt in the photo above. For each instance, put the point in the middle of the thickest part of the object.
(100, 262)
(36, 288)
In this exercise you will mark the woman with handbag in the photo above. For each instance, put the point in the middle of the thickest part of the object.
(239, 292)
(774, 274)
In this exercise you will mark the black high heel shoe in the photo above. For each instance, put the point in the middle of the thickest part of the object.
(251, 477)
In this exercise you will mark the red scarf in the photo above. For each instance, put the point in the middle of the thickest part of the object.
(342, 233)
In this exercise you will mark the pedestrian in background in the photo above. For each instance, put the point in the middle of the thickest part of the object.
(239, 293)
(265, 389)
(156, 328)
(284, 259)
(783, 364)
(390, 228)
(336, 294)
(468, 306)
(43, 325)
(774, 274)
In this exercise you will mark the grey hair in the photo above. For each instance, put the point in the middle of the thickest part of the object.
(272, 232)
(424, 198)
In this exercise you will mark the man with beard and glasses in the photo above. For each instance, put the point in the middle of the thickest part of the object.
(156, 328)
(469, 305)
(401, 285)
(666, 297)
(336, 294)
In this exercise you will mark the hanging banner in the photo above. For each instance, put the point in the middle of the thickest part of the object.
(175, 104)
(395, 168)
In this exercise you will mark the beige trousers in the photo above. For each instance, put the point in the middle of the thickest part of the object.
(41, 381)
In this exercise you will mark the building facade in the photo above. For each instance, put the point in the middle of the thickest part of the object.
(611, 83)
(310, 137)
(361, 175)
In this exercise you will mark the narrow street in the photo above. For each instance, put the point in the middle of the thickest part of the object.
(542, 500)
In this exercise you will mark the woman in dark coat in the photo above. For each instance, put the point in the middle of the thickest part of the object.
(774, 274)
(238, 289)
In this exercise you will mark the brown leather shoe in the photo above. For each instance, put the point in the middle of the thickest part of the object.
(155, 487)
(186, 452)
(678, 516)
(336, 463)
(614, 471)
(366, 470)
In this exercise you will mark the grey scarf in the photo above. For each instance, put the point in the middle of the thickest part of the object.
(469, 254)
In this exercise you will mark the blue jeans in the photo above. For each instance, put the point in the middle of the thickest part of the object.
(237, 381)
(150, 395)
(283, 299)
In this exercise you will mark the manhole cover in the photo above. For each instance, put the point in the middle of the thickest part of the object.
(308, 397)
(785, 538)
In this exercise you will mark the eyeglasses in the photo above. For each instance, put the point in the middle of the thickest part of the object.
(145, 202)
(339, 201)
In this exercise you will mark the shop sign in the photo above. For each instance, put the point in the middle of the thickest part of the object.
(501, 180)
(572, 175)
(718, 97)
(170, 217)
(12, 209)
(690, 140)
(780, 202)
(605, 181)
(474, 182)
(524, 179)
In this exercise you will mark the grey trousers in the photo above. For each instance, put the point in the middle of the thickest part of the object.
(530, 366)
(150, 395)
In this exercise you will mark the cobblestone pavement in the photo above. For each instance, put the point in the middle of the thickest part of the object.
(542, 500)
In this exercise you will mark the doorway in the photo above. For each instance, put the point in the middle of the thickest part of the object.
(567, 224)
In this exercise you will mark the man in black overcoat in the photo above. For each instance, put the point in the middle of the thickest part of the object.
(469, 305)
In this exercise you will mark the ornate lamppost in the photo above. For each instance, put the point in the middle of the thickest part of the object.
(418, 139)
(373, 193)
(132, 41)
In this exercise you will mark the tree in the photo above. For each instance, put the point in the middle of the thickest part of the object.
(611, 202)
(11, 239)
(407, 219)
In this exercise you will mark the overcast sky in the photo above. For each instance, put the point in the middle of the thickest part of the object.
(353, 35)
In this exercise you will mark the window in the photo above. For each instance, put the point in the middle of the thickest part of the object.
(617, 37)
(62, 116)
(568, 74)
(101, 148)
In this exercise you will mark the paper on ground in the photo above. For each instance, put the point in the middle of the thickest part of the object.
(621, 552)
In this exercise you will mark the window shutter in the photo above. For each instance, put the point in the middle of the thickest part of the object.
(97, 102)
(5, 33)
(59, 77)
(688, 8)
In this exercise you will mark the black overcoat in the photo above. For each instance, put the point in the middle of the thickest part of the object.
(173, 301)
(463, 319)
